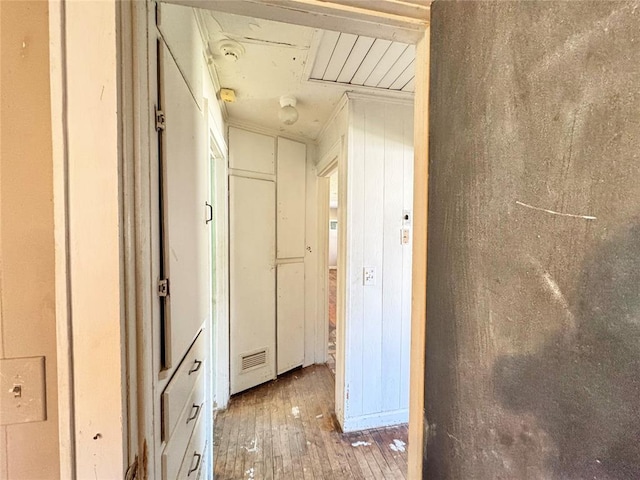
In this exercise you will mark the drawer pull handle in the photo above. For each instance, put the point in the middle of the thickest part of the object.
(198, 457)
(210, 216)
(196, 366)
(194, 415)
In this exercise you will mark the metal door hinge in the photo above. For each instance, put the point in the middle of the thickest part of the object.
(160, 125)
(163, 287)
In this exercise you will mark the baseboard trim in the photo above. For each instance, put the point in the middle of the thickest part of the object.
(376, 420)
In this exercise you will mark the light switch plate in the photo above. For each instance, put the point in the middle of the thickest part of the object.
(22, 390)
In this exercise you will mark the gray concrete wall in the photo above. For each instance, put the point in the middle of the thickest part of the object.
(533, 316)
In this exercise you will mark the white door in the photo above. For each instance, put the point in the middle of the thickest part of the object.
(252, 281)
(290, 316)
(185, 198)
(291, 177)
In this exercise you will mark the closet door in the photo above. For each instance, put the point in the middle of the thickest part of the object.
(290, 316)
(252, 281)
(291, 175)
(185, 236)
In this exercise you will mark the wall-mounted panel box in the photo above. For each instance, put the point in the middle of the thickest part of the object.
(22, 390)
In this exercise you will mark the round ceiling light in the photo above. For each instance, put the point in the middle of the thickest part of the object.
(288, 113)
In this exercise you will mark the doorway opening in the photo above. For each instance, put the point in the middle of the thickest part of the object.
(130, 176)
(360, 144)
(332, 270)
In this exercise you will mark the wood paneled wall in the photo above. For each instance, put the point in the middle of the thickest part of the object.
(379, 176)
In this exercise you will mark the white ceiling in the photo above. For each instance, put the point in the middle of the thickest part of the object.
(276, 62)
(273, 65)
(365, 61)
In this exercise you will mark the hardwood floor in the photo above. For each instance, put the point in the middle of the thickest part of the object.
(286, 429)
(331, 352)
(333, 288)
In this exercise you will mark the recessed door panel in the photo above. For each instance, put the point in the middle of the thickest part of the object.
(251, 152)
(290, 316)
(185, 177)
(292, 159)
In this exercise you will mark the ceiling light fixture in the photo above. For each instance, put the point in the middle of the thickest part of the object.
(288, 113)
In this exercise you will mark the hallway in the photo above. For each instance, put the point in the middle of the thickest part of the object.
(286, 429)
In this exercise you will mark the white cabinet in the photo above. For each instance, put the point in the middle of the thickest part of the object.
(185, 274)
(176, 448)
(267, 232)
(184, 380)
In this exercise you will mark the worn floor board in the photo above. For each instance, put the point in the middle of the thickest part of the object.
(284, 429)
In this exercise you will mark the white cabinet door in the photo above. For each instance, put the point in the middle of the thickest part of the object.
(292, 160)
(252, 281)
(290, 316)
(184, 179)
(251, 152)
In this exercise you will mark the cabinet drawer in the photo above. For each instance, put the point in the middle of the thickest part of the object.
(174, 451)
(175, 394)
(196, 455)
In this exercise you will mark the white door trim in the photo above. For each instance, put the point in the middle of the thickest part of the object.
(388, 19)
(221, 288)
(66, 440)
(90, 142)
(327, 166)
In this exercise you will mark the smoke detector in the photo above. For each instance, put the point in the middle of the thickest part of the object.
(229, 50)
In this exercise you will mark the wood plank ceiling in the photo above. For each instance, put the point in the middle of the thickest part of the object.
(371, 62)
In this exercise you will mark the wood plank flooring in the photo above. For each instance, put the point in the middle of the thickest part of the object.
(286, 429)
(331, 351)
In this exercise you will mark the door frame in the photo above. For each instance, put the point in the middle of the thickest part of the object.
(220, 287)
(325, 168)
(116, 157)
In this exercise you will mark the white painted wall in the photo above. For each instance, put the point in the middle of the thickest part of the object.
(376, 176)
(379, 168)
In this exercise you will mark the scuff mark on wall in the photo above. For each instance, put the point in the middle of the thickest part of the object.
(553, 212)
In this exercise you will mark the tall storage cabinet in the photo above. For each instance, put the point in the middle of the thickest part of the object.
(267, 245)
(184, 271)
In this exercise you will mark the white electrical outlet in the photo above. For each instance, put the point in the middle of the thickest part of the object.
(369, 276)
(405, 236)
